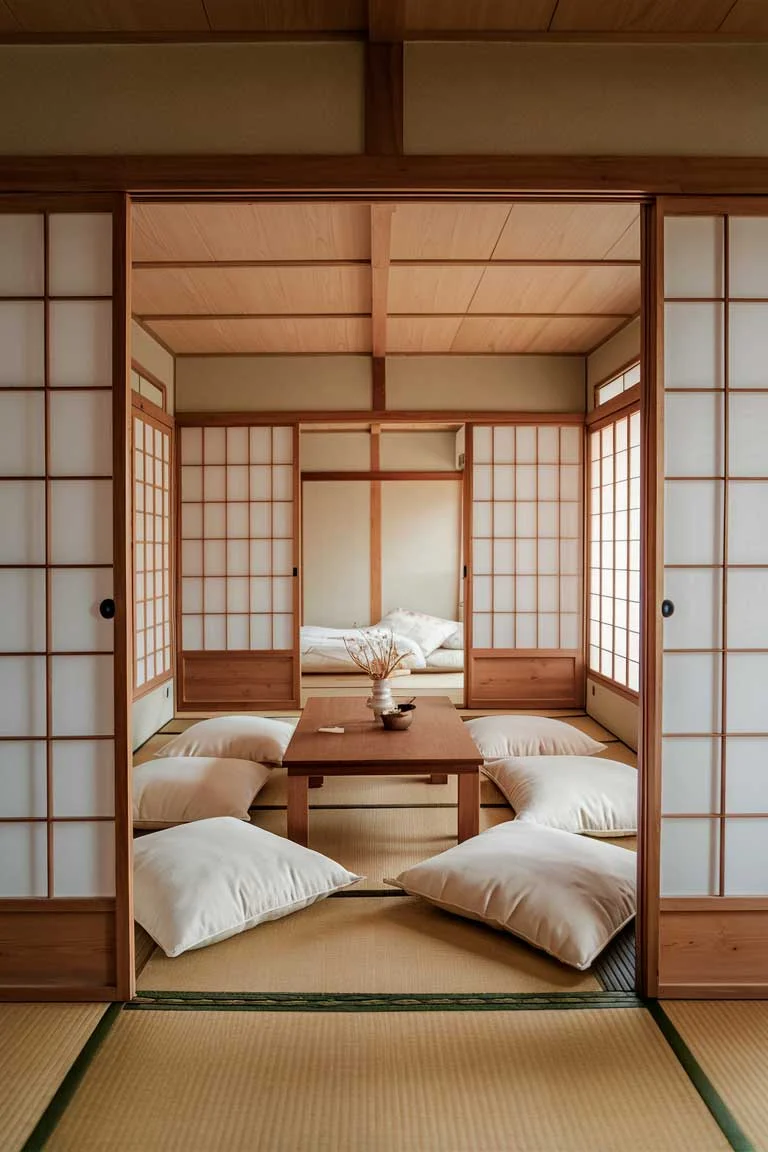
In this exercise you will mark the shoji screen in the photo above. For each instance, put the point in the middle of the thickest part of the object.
(64, 839)
(714, 837)
(152, 593)
(525, 547)
(238, 612)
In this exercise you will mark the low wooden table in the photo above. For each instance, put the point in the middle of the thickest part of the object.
(437, 743)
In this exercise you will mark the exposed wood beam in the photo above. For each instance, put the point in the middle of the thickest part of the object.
(386, 21)
(494, 177)
(375, 515)
(379, 384)
(150, 317)
(384, 99)
(391, 416)
(381, 236)
(140, 265)
(377, 476)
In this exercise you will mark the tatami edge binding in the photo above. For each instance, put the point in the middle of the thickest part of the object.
(63, 1095)
(722, 1115)
(379, 1002)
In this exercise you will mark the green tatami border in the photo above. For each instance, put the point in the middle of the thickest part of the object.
(379, 1002)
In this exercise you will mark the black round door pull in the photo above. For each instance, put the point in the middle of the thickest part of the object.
(107, 609)
(667, 609)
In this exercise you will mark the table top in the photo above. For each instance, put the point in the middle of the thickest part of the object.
(437, 738)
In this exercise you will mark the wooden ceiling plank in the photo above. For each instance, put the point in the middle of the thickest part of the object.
(255, 290)
(447, 232)
(478, 15)
(422, 333)
(749, 17)
(565, 289)
(108, 16)
(255, 336)
(287, 15)
(386, 21)
(433, 289)
(241, 231)
(381, 239)
(531, 335)
(642, 16)
(564, 231)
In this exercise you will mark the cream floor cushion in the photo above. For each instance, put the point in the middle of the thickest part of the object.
(574, 793)
(498, 737)
(567, 895)
(199, 883)
(258, 738)
(177, 789)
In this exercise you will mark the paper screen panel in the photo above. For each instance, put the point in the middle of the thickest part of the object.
(237, 538)
(715, 729)
(526, 536)
(152, 582)
(57, 689)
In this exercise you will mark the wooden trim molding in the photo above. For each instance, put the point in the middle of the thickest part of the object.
(192, 419)
(390, 176)
(375, 544)
(379, 475)
(605, 413)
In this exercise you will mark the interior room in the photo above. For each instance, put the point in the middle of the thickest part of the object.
(420, 420)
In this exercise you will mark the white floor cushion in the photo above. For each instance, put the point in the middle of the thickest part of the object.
(200, 883)
(565, 894)
(256, 738)
(573, 793)
(498, 737)
(429, 632)
(177, 789)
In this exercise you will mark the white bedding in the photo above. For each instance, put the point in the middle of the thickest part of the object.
(323, 650)
(445, 660)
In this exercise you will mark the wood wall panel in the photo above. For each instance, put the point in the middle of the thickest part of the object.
(56, 949)
(712, 952)
(238, 680)
(519, 679)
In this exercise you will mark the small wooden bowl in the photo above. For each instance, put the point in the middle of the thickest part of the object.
(400, 720)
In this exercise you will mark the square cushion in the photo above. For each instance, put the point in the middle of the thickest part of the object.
(177, 789)
(498, 737)
(573, 793)
(199, 883)
(567, 895)
(429, 632)
(456, 640)
(234, 737)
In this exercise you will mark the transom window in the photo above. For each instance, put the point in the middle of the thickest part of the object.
(617, 384)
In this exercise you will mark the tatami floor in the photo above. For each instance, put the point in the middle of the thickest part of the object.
(375, 1023)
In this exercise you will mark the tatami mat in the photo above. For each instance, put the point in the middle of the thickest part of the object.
(367, 944)
(729, 1039)
(379, 842)
(544, 1081)
(38, 1044)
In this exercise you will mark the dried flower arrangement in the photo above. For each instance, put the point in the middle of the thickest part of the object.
(374, 653)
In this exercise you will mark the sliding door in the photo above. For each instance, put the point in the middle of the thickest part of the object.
(524, 545)
(65, 916)
(714, 717)
(238, 564)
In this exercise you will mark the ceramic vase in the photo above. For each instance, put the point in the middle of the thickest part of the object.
(381, 698)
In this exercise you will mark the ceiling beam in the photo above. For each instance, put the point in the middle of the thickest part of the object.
(384, 78)
(149, 317)
(480, 262)
(381, 236)
(386, 21)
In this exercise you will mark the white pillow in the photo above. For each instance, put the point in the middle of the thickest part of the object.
(240, 737)
(199, 883)
(456, 640)
(567, 895)
(429, 632)
(176, 789)
(498, 737)
(573, 793)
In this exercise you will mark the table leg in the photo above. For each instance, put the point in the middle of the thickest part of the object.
(298, 809)
(316, 781)
(469, 804)
(438, 778)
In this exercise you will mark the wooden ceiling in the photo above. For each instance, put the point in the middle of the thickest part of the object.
(381, 19)
(247, 278)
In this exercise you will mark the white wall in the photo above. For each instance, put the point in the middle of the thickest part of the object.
(591, 99)
(501, 383)
(431, 451)
(336, 549)
(421, 546)
(272, 383)
(618, 714)
(176, 98)
(155, 708)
